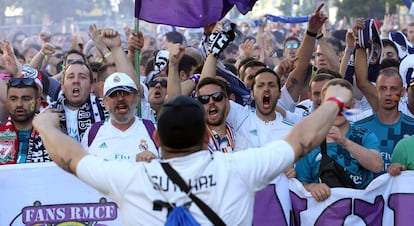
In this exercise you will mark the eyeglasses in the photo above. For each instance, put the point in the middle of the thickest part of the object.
(163, 83)
(58, 55)
(21, 82)
(117, 93)
(204, 99)
(292, 45)
(74, 61)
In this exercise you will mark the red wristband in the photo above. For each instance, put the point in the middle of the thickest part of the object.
(338, 101)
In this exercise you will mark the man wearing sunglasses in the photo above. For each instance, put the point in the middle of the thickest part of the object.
(213, 94)
(290, 47)
(19, 142)
(123, 136)
(157, 92)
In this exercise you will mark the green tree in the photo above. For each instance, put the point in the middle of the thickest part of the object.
(57, 10)
(366, 9)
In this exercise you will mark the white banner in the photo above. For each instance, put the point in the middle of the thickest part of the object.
(45, 194)
(386, 201)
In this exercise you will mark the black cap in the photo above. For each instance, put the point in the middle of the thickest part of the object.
(181, 123)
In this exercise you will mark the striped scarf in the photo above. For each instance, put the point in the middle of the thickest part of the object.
(93, 110)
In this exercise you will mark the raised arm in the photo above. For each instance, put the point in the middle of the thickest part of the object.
(349, 50)
(63, 150)
(136, 41)
(209, 67)
(296, 78)
(39, 61)
(174, 82)
(112, 40)
(309, 133)
(330, 54)
(361, 71)
(103, 53)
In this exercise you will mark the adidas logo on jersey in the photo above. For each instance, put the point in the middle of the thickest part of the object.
(254, 132)
(103, 145)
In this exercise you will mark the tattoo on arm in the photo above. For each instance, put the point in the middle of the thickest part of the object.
(66, 165)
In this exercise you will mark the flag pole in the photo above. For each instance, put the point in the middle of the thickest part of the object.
(137, 67)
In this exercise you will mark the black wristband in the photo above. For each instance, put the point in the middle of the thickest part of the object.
(311, 34)
(319, 36)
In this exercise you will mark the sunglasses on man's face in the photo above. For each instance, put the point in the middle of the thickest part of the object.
(292, 45)
(163, 83)
(19, 82)
(121, 93)
(58, 55)
(204, 99)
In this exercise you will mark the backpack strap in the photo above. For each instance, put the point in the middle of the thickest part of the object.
(93, 131)
(149, 125)
(178, 180)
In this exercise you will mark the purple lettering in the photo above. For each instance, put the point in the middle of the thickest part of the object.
(267, 208)
(401, 205)
(335, 214)
(371, 213)
(298, 205)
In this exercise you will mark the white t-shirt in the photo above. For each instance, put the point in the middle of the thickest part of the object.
(147, 112)
(72, 123)
(305, 107)
(403, 107)
(226, 182)
(112, 143)
(286, 102)
(253, 128)
(258, 134)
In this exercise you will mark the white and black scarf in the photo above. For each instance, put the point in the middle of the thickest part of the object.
(93, 110)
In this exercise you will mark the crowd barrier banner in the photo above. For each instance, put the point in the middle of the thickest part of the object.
(44, 194)
(387, 201)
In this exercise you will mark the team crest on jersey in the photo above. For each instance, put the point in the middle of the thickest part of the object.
(143, 145)
(73, 214)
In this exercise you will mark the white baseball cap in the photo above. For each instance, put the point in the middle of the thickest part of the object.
(119, 81)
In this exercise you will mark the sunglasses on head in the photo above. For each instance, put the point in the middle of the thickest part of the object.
(21, 82)
(292, 45)
(204, 99)
(163, 83)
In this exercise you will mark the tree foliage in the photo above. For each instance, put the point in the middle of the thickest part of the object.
(57, 10)
(366, 8)
(348, 8)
